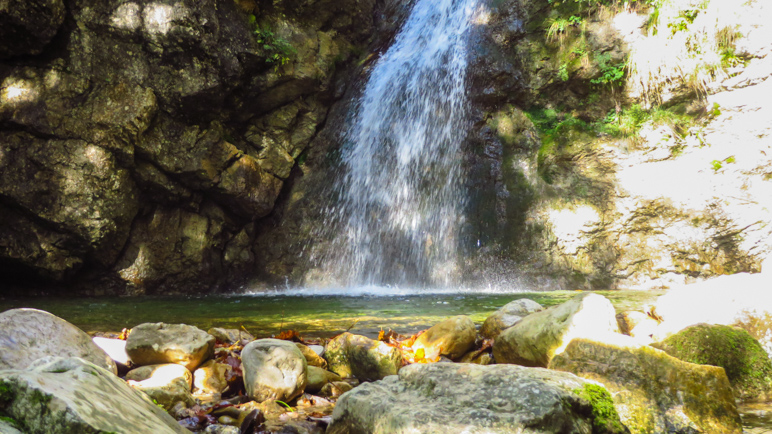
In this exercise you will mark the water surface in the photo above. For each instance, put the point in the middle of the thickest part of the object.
(266, 314)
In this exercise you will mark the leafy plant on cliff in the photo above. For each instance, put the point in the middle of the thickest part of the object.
(278, 50)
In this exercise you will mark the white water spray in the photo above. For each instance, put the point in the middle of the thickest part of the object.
(400, 198)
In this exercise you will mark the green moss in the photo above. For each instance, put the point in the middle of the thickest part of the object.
(9, 420)
(39, 397)
(6, 392)
(604, 415)
(745, 362)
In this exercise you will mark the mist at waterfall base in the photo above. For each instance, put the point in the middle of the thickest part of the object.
(396, 221)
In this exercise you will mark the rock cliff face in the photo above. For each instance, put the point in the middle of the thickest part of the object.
(140, 141)
(622, 147)
(182, 146)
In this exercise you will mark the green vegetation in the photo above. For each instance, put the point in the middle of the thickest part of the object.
(605, 416)
(278, 50)
(747, 365)
(611, 74)
(6, 392)
(13, 422)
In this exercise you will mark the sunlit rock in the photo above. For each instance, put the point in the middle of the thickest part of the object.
(312, 357)
(747, 365)
(652, 391)
(637, 324)
(72, 395)
(211, 378)
(156, 343)
(30, 334)
(452, 338)
(115, 348)
(508, 316)
(537, 338)
(446, 397)
(273, 369)
(350, 355)
(165, 384)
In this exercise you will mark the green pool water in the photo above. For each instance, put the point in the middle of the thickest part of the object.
(266, 314)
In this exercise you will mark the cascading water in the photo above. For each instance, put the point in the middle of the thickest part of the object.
(400, 197)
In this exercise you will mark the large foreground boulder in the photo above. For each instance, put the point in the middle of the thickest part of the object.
(74, 396)
(350, 355)
(746, 364)
(30, 334)
(452, 338)
(654, 392)
(453, 398)
(273, 369)
(158, 343)
(536, 339)
(508, 316)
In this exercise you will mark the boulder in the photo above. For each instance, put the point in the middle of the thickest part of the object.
(318, 378)
(652, 391)
(312, 357)
(211, 378)
(230, 336)
(537, 338)
(740, 299)
(74, 396)
(447, 397)
(350, 355)
(273, 369)
(747, 365)
(27, 26)
(165, 384)
(508, 316)
(452, 338)
(29, 334)
(158, 343)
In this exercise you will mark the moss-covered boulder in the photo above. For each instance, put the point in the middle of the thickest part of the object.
(746, 363)
(652, 391)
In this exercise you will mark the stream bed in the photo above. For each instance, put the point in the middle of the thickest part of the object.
(365, 312)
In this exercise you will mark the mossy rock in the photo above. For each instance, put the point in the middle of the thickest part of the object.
(605, 416)
(747, 365)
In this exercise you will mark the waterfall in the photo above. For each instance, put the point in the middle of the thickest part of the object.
(400, 198)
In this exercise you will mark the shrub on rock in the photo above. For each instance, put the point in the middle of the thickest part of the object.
(747, 365)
